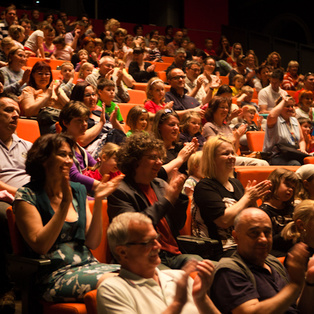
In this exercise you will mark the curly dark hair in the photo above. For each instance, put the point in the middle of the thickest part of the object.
(41, 151)
(213, 107)
(133, 150)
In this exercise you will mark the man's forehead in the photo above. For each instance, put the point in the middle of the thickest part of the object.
(5, 102)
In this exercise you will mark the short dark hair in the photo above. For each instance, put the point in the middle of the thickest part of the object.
(73, 109)
(133, 150)
(40, 152)
(104, 82)
(277, 74)
(79, 90)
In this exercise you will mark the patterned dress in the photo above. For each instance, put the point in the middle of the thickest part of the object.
(73, 270)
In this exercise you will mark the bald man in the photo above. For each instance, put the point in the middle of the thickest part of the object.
(253, 281)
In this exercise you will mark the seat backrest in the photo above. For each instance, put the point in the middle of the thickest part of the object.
(309, 160)
(28, 129)
(162, 75)
(137, 96)
(187, 229)
(255, 140)
(102, 253)
(161, 66)
(91, 302)
(17, 243)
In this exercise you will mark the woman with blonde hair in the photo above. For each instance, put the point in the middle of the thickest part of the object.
(292, 80)
(218, 197)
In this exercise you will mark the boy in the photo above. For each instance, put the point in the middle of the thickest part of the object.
(106, 93)
(67, 72)
(153, 53)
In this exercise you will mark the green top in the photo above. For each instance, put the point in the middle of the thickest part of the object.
(110, 109)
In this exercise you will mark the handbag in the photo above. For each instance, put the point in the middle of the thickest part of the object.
(291, 152)
(204, 247)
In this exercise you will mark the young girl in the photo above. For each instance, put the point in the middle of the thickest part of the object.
(190, 127)
(86, 69)
(83, 57)
(128, 50)
(305, 104)
(49, 47)
(17, 33)
(238, 82)
(137, 120)
(155, 93)
(306, 127)
(63, 51)
(279, 205)
(106, 163)
(194, 172)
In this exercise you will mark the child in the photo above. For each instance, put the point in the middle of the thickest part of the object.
(245, 97)
(49, 46)
(67, 72)
(137, 120)
(128, 50)
(190, 127)
(305, 104)
(83, 56)
(238, 82)
(194, 172)
(153, 53)
(17, 33)
(155, 93)
(279, 205)
(63, 51)
(306, 127)
(106, 163)
(106, 93)
(86, 69)
(34, 43)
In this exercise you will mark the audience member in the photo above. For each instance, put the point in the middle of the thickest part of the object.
(209, 44)
(137, 120)
(67, 76)
(35, 19)
(253, 280)
(307, 128)
(268, 95)
(306, 175)
(62, 51)
(308, 85)
(49, 47)
(13, 151)
(9, 19)
(305, 105)
(210, 79)
(46, 211)
(135, 244)
(223, 50)
(261, 79)
(219, 197)
(112, 26)
(15, 78)
(140, 70)
(75, 37)
(26, 23)
(274, 61)
(106, 70)
(282, 130)
(140, 159)
(179, 61)
(85, 69)
(168, 34)
(175, 44)
(291, 79)
(43, 98)
(17, 33)
(34, 43)
(279, 206)
(60, 28)
(235, 55)
(194, 83)
(6, 44)
(181, 102)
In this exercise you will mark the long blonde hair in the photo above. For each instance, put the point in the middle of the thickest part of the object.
(303, 211)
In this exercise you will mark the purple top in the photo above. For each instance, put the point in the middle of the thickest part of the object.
(77, 176)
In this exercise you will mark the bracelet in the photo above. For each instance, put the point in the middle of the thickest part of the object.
(309, 284)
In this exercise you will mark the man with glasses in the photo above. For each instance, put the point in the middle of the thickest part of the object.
(107, 70)
(194, 83)
(178, 94)
(141, 287)
(140, 159)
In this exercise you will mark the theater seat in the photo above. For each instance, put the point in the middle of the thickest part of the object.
(255, 140)
(28, 130)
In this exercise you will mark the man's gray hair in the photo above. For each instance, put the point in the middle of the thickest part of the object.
(179, 51)
(118, 231)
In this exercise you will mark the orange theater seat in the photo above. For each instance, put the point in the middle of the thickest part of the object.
(162, 75)
(124, 109)
(54, 64)
(224, 80)
(143, 86)
(255, 140)
(137, 96)
(161, 66)
(28, 130)
(91, 302)
(309, 160)
(167, 59)
(187, 229)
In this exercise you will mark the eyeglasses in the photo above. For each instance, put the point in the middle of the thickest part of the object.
(90, 95)
(43, 74)
(196, 69)
(178, 77)
(146, 244)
